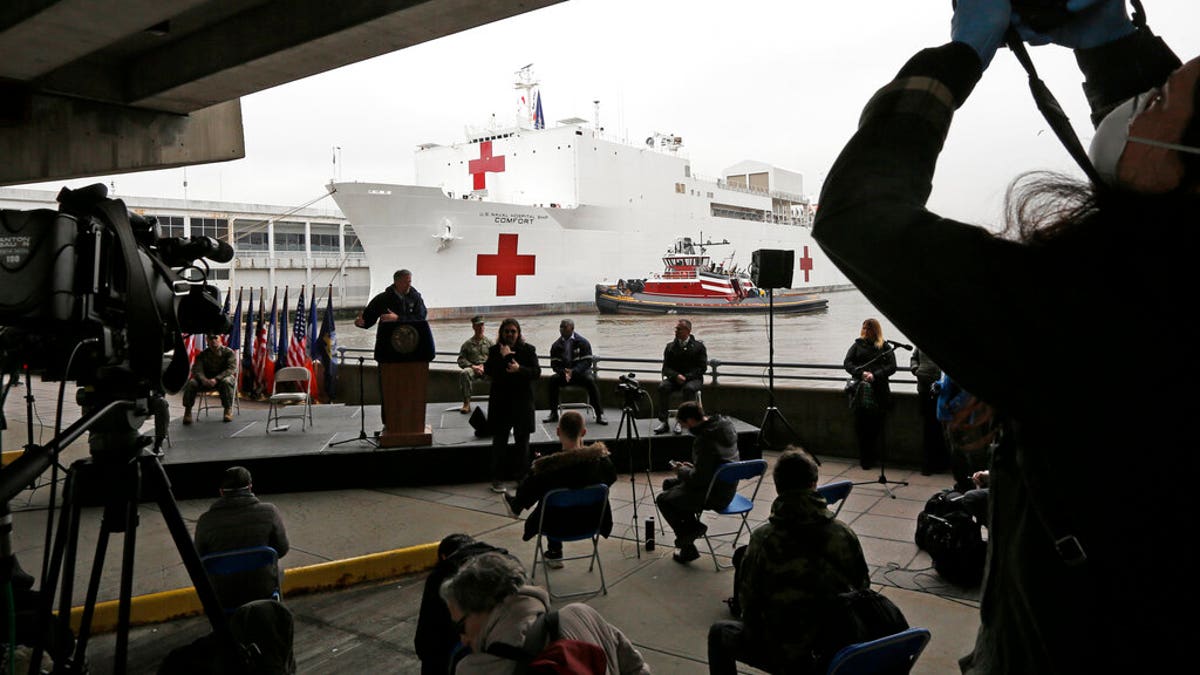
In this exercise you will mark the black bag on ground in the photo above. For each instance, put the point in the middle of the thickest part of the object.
(856, 616)
(735, 605)
(952, 538)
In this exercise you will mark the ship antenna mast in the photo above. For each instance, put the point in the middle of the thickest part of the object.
(527, 84)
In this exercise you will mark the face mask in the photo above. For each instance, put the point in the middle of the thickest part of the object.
(1113, 133)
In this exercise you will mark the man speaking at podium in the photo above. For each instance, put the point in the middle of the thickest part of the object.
(401, 302)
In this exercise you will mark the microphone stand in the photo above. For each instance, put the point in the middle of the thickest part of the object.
(362, 403)
(883, 479)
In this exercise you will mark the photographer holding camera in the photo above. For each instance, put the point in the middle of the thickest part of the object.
(1078, 579)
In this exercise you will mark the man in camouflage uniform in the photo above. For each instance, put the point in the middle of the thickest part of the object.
(214, 368)
(471, 356)
(793, 567)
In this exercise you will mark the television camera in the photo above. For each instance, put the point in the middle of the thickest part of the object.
(93, 294)
(631, 389)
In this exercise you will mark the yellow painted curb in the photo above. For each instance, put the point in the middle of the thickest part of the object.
(183, 602)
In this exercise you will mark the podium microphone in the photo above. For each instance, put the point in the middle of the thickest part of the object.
(899, 345)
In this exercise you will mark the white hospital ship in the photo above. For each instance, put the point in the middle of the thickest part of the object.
(529, 218)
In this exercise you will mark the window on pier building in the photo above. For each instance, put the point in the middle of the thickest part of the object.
(324, 238)
(353, 245)
(217, 228)
(171, 226)
(289, 236)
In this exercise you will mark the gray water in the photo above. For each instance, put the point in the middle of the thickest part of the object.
(815, 338)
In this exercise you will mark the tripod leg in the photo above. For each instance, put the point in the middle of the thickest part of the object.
(89, 605)
(67, 522)
(121, 655)
(156, 477)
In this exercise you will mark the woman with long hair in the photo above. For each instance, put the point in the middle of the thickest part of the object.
(1078, 578)
(870, 362)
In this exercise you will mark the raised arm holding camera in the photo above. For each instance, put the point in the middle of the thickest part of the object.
(1075, 579)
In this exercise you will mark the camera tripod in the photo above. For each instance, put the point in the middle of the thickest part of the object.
(628, 433)
(362, 405)
(772, 414)
(122, 471)
(882, 439)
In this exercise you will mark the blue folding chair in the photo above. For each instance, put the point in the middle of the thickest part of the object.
(242, 575)
(740, 505)
(891, 655)
(587, 507)
(836, 493)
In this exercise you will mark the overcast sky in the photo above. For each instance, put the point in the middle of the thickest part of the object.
(780, 81)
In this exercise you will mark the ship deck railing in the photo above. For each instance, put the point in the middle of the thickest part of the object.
(649, 370)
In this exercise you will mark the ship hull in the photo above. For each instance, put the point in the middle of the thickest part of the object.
(469, 256)
(611, 301)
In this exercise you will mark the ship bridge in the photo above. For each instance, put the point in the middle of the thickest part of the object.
(91, 87)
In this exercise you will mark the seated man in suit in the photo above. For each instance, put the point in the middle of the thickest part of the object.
(684, 361)
(574, 466)
(571, 361)
(215, 368)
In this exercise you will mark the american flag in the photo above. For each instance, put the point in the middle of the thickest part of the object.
(297, 345)
(195, 345)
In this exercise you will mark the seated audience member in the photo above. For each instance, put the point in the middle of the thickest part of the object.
(471, 356)
(683, 496)
(238, 520)
(685, 360)
(496, 611)
(215, 368)
(436, 635)
(793, 567)
(574, 466)
(571, 361)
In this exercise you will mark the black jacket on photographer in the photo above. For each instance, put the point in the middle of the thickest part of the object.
(689, 359)
(1022, 306)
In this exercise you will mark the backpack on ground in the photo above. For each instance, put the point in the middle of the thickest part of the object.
(556, 656)
(952, 538)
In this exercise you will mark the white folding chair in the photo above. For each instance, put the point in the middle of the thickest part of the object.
(293, 374)
(206, 396)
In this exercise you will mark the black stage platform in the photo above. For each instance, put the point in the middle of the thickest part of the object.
(295, 461)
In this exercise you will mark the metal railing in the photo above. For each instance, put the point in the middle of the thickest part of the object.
(718, 369)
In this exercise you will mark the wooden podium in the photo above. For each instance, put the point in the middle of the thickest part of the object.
(403, 350)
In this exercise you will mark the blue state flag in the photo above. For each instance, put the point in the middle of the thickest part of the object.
(235, 331)
(327, 346)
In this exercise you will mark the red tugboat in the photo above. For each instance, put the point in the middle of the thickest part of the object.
(692, 283)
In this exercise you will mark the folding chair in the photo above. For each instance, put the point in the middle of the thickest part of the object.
(836, 493)
(585, 508)
(892, 655)
(280, 399)
(740, 505)
(242, 575)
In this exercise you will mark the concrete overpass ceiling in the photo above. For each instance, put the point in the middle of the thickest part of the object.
(90, 87)
(179, 56)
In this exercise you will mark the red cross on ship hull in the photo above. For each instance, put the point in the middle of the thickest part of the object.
(506, 264)
(806, 264)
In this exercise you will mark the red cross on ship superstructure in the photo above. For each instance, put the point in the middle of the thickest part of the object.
(806, 264)
(479, 168)
(505, 264)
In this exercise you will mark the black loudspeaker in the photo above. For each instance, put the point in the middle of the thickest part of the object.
(772, 267)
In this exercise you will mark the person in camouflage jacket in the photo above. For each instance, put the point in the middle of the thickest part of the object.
(214, 368)
(793, 567)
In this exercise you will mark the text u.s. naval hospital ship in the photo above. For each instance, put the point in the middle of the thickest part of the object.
(529, 218)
